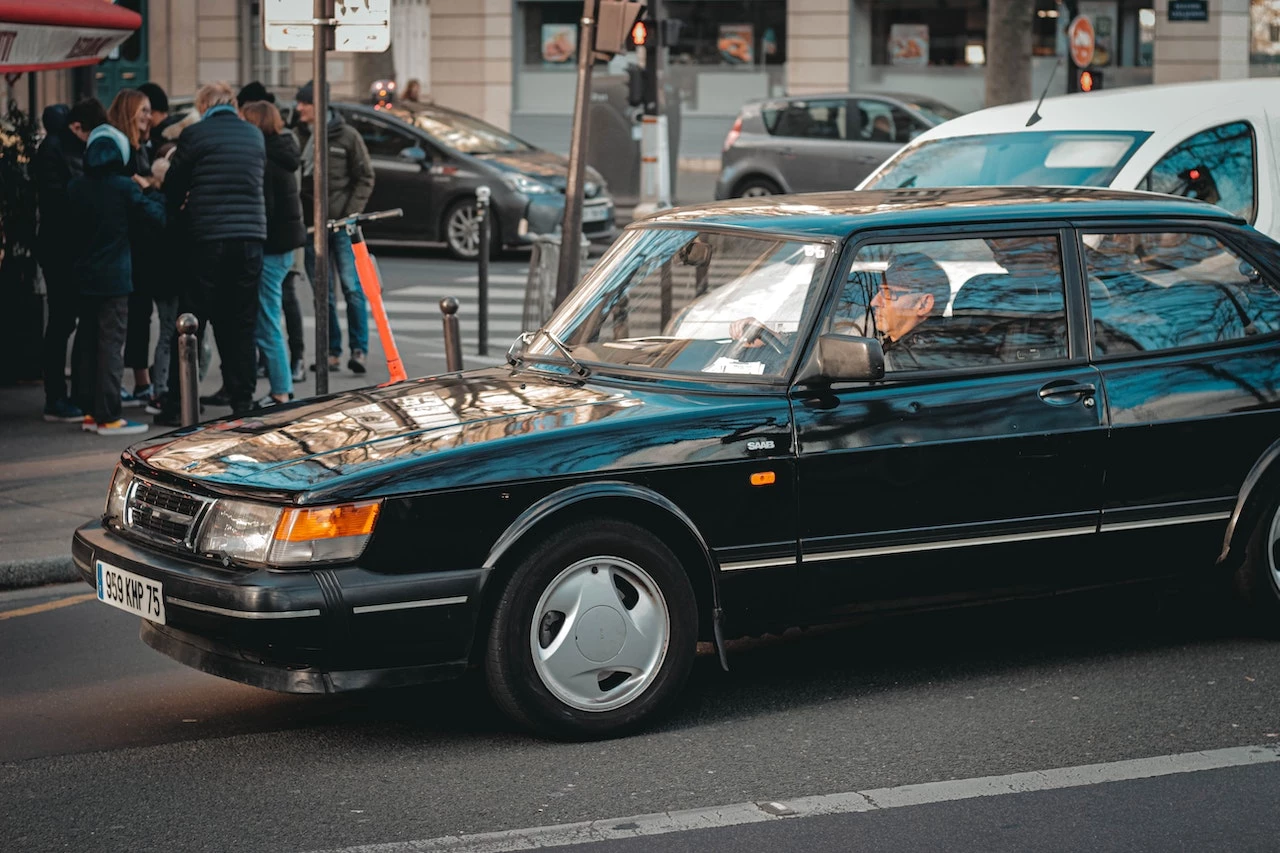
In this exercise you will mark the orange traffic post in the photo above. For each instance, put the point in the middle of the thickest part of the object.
(372, 287)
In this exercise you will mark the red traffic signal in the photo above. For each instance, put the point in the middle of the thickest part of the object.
(1090, 80)
(639, 33)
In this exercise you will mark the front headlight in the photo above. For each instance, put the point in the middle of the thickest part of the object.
(291, 536)
(117, 495)
(525, 184)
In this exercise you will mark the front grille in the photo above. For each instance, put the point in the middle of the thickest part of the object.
(163, 514)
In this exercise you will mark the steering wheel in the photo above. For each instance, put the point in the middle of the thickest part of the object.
(757, 331)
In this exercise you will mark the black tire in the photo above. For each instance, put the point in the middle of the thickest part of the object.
(1257, 581)
(528, 692)
(464, 249)
(757, 186)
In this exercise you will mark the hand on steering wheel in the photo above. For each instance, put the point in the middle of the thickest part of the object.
(750, 332)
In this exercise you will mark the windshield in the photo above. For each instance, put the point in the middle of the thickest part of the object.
(1031, 158)
(935, 111)
(467, 135)
(691, 302)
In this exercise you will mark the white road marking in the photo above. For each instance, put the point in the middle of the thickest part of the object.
(737, 814)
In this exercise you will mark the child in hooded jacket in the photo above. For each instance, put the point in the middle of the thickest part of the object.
(108, 208)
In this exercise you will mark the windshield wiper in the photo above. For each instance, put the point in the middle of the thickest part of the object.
(578, 367)
(909, 182)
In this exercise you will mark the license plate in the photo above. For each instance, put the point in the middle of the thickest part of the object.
(595, 214)
(133, 593)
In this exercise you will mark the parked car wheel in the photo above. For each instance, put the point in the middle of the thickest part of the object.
(594, 633)
(1258, 579)
(758, 186)
(462, 231)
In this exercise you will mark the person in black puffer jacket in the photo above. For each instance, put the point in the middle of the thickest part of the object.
(216, 180)
(285, 233)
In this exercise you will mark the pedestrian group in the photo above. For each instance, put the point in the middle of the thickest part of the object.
(144, 210)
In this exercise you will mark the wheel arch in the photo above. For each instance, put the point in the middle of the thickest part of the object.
(1255, 491)
(627, 502)
(759, 174)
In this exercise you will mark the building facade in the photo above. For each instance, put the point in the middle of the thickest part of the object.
(511, 62)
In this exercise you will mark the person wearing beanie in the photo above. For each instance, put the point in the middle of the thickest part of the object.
(161, 119)
(350, 182)
(254, 91)
(109, 211)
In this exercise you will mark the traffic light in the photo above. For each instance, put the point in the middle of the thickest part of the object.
(635, 85)
(1089, 80)
(640, 33)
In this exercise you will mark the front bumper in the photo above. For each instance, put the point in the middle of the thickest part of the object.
(325, 630)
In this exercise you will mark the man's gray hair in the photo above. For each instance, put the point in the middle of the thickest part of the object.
(214, 95)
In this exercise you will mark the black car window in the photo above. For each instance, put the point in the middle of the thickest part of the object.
(1167, 290)
(380, 138)
(1215, 165)
(957, 304)
(880, 121)
(821, 119)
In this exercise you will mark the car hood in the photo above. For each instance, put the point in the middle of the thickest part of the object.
(457, 430)
(551, 169)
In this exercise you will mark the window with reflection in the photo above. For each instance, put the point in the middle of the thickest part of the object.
(1167, 290)
(1215, 165)
(689, 301)
(957, 304)
(819, 119)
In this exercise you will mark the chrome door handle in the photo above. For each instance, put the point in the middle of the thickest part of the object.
(1075, 390)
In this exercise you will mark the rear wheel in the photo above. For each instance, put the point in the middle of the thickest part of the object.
(594, 633)
(1258, 578)
(758, 187)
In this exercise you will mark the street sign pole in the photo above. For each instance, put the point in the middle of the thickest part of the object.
(571, 229)
(322, 31)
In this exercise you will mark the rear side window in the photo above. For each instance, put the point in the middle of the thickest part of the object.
(1215, 165)
(821, 119)
(878, 121)
(1167, 290)
(957, 304)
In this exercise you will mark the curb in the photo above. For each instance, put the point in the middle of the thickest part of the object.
(40, 571)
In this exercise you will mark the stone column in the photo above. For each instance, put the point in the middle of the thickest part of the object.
(471, 57)
(1217, 49)
(817, 46)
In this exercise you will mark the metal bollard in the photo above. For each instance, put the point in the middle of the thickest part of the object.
(189, 368)
(452, 337)
(485, 223)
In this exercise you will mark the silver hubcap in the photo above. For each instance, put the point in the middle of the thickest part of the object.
(464, 231)
(1273, 539)
(600, 634)
(755, 191)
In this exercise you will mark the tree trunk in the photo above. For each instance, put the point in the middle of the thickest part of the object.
(1008, 51)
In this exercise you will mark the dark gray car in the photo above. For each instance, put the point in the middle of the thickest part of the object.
(819, 142)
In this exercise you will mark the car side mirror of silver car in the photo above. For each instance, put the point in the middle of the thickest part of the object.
(413, 153)
(843, 358)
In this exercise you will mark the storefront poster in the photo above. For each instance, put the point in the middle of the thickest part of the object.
(559, 43)
(909, 44)
(1103, 15)
(736, 44)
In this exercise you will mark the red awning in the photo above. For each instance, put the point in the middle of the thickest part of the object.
(39, 36)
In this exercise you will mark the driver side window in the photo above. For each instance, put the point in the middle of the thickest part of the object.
(380, 138)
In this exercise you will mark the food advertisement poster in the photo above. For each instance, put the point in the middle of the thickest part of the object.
(909, 44)
(1103, 15)
(736, 44)
(559, 43)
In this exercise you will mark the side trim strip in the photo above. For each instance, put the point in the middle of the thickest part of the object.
(408, 605)
(243, 614)
(1165, 522)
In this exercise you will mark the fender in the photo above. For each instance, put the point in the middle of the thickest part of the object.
(553, 503)
(1250, 485)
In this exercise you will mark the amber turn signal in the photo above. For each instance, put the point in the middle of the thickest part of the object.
(763, 478)
(327, 522)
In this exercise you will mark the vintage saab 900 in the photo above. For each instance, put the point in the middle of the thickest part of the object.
(749, 415)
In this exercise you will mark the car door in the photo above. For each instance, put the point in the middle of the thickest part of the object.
(974, 468)
(879, 128)
(811, 141)
(1185, 331)
(402, 177)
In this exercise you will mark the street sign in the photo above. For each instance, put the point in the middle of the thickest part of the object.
(1080, 40)
(363, 26)
(1188, 10)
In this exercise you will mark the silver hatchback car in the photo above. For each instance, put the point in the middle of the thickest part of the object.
(819, 142)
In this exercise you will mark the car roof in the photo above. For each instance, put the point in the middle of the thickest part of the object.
(1141, 108)
(835, 215)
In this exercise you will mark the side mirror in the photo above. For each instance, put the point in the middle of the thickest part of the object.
(1250, 272)
(844, 358)
(414, 153)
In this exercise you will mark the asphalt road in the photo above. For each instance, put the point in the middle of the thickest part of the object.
(107, 745)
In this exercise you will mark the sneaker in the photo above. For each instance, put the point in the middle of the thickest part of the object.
(138, 397)
(121, 427)
(218, 398)
(88, 424)
(155, 405)
(335, 364)
(63, 412)
(356, 364)
(299, 370)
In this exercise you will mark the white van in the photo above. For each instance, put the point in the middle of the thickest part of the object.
(1215, 141)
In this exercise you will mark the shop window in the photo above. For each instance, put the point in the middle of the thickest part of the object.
(729, 33)
(1215, 165)
(551, 34)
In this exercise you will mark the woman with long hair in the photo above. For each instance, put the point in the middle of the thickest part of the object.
(285, 233)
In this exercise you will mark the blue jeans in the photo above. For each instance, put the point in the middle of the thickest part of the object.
(269, 336)
(342, 267)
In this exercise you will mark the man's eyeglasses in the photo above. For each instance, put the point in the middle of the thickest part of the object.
(889, 293)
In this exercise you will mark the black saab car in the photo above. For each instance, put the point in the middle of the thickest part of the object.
(429, 161)
(749, 415)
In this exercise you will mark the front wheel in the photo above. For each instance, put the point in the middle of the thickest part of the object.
(1258, 578)
(462, 231)
(594, 633)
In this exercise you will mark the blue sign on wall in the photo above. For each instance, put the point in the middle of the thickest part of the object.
(1188, 10)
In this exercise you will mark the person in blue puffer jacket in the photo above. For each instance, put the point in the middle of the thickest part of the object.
(108, 209)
